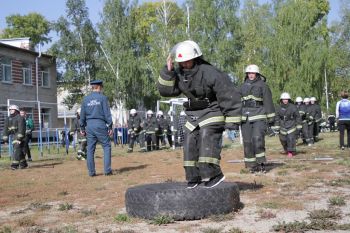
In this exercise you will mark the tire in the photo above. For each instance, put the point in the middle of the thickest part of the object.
(174, 200)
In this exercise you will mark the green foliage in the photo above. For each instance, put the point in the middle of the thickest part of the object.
(122, 218)
(33, 25)
(337, 201)
(162, 220)
(65, 207)
(5, 229)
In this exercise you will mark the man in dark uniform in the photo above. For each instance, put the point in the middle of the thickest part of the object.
(96, 123)
(310, 118)
(213, 105)
(257, 111)
(151, 127)
(160, 133)
(134, 130)
(318, 117)
(331, 121)
(288, 121)
(29, 131)
(304, 132)
(15, 126)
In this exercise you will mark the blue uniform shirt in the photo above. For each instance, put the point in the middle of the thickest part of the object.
(343, 110)
(95, 106)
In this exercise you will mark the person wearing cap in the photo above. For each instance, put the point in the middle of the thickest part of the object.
(342, 114)
(287, 121)
(317, 112)
(257, 111)
(309, 116)
(213, 105)
(134, 131)
(82, 141)
(150, 127)
(28, 136)
(96, 122)
(15, 127)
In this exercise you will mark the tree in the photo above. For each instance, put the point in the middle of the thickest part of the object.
(32, 25)
(76, 50)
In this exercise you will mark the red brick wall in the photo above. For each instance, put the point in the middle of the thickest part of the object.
(17, 71)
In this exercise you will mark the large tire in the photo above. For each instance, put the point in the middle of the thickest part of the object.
(174, 200)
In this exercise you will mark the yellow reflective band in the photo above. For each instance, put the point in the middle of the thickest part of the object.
(16, 141)
(249, 159)
(251, 97)
(233, 119)
(82, 140)
(166, 82)
(301, 112)
(284, 132)
(275, 127)
(189, 126)
(4, 138)
(260, 155)
(190, 163)
(15, 162)
(318, 120)
(209, 160)
(20, 135)
(212, 120)
(299, 126)
(271, 115)
(257, 117)
(150, 132)
(22, 160)
(12, 128)
(143, 148)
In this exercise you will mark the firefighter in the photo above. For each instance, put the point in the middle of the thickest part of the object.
(309, 116)
(331, 122)
(213, 104)
(303, 133)
(180, 128)
(257, 111)
(343, 116)
(316, 109)
(134, 130)
(288, 122)
(160, 134)
(15, 126)
(82, 141)
(29, 131)
(150, 127)
(168, 129)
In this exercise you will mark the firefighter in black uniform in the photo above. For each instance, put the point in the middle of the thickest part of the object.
(257, 111)
(331, 121)
(82, 141)
(168, 131)
(160, 134)
(288, 122)
(150, 127)
(15, 126)
(134, 130)
(310, 119)
(213, 104)
(28, 137)
(318, 117)
(304, 115)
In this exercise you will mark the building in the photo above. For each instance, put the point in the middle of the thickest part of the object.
(28, 79)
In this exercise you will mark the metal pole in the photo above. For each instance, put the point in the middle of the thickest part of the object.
(40, 140)
(326, 89)
(188, 19)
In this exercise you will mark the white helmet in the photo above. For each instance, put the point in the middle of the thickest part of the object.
(149, 112)
(313, 99)
(252, 69)
(159, 113)
(132, 111)
(306, 100)
(78, 110)
(182, 113)
(186, 51)
(285, 96)
(299, 99)
(14, 107)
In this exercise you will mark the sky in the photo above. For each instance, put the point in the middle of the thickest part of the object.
(53, 9)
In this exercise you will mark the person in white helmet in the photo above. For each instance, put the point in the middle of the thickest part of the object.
(287, 121)
(160, 133)
(257, 111)
(309, 116)
(135, 131)
(213, 105)
(150, 127)
(15, 126)
(303, 133)
(316, 109)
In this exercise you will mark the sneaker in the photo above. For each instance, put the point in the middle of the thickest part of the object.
(192, 184)
(214, 181)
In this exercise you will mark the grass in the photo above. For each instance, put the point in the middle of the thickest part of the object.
(235, 230)
(63, 193)
(222, 217)
(211, 230)
(39, 206)
(122, 218)
(5, 229)
(282, 173)
(87, 213)
(336, 201)
(162, 220)
(26, 222)
(323, 214)
(266, 214)
(65, 207)
(340, 182)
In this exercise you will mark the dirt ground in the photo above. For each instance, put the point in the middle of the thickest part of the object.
(55, 194)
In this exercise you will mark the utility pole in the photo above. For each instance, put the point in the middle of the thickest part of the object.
(188, 19)
(326, 90)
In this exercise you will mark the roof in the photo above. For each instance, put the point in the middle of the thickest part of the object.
(3, 45)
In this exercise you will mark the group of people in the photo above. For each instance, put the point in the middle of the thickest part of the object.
(19, 126)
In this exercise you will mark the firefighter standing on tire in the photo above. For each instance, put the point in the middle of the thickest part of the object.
(15, 126)
(288, 122)
(213, 104)
(257, 111)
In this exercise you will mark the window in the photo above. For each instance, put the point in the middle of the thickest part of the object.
(45, 78)
(6, 67)
(27, 74)
(45, 118)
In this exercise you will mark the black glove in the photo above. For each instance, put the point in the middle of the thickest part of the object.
(232, 126)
